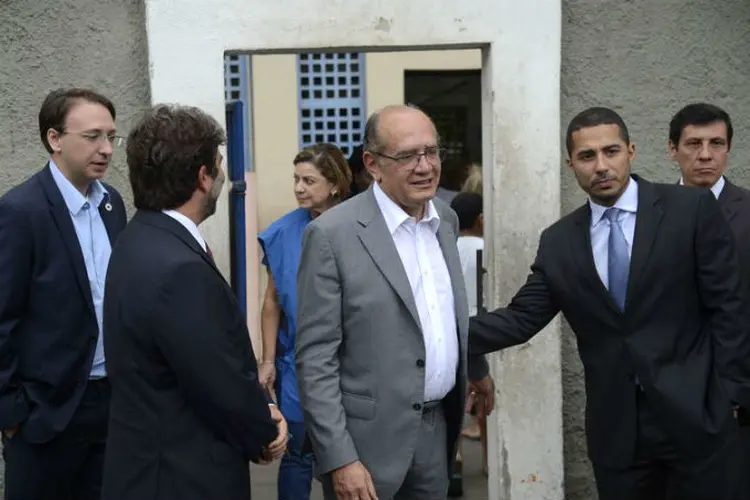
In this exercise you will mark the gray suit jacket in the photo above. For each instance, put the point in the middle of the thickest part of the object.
(359, 348)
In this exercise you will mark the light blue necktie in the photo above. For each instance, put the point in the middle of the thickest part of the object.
(618, 259)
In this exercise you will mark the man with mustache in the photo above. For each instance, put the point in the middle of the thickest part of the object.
(188, 412)
(647, 275)
(700, 141)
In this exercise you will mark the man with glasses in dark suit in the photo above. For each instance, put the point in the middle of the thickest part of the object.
(58, 229)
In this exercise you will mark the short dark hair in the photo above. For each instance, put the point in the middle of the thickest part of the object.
(165, 151)
(57, 105)
(593, 117)
(468, 207)
(356, 164)
(331, 163)
(699, 113)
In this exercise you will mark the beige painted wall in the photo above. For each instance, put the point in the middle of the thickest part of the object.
(275, 133)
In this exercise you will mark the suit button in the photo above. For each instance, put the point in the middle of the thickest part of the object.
(420, 363)
(417, 407)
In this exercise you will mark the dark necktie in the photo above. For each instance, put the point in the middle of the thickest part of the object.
(618, 259)
(210, 254)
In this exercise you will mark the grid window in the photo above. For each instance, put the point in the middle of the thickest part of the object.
(331, 99)
(233, 78)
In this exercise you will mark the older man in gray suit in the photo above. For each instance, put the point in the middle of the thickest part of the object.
(383, 323)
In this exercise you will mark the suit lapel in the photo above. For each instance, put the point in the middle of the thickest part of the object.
(108, 218)
(378, 242)
(61, 216)
(584, 255)
(647, 222)
(447, 239)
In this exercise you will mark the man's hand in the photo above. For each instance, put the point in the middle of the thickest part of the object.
(486, 389)
(278, 446)
(353, 482)
(267, 376)
(10, 432)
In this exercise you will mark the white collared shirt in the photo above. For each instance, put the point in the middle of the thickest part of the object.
(430, 281)
(716, 189)
(188, 224)
(628, 205)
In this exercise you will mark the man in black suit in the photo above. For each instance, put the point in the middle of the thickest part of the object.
(187, 410)
(700, 140)
(57, 231)
(647, 276)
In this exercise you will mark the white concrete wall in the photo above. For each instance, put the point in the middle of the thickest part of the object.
(187, 39)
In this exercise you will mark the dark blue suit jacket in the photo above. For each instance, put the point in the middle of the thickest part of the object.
(48, 328)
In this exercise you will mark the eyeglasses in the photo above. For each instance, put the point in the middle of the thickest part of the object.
(96, 136)
(432, 155)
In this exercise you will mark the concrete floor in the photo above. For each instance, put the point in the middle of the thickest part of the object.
(475, 484)
(263, 478)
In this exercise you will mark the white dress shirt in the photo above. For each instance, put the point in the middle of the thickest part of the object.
(628, 205)
(467, 252)
(188, 224)
(716, 189)
(425, 267)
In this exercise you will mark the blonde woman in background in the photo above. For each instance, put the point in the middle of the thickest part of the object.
(473, 183)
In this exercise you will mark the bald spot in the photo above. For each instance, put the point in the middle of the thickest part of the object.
(400, 121)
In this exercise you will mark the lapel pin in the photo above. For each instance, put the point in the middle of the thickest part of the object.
(108, 207)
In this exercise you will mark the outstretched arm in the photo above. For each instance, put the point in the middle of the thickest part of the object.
(530, 310)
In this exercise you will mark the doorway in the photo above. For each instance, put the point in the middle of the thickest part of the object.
(453, 99)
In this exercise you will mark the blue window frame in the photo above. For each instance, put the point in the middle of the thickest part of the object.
(237, 70)
(331, 89)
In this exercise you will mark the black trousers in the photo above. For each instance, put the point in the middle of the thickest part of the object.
(662, 472)
(70, 466)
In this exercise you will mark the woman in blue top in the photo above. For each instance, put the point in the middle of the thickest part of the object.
(321, 180)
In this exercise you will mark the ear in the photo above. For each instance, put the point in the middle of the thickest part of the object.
(371, 165)
(205, 181)
(53, 139)
(631, 151)
(569, 163)
(672, 151)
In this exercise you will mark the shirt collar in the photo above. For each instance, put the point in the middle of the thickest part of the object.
(628, 202)
(395, 215)
(188, 224)
(73, 198)
(716, 189)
